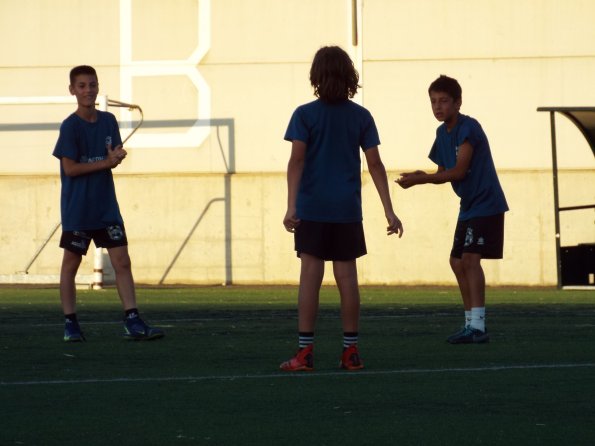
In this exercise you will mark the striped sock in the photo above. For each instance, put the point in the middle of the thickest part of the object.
(350, 338)
(305, 339)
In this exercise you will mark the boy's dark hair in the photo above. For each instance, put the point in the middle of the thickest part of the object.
(448, 85)
(333, 75)
(81, 69)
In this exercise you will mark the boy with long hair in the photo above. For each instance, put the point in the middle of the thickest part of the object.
(324, 209)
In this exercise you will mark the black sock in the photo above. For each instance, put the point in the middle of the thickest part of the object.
(132, 313)
(70, 317)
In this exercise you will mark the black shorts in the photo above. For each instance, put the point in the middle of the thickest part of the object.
(481, 235)
(79, 241)
(330, 241)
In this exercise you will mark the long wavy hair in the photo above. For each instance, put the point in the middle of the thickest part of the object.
(333, 75)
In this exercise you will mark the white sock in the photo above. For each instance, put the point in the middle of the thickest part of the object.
(467, 318)
(478, 315)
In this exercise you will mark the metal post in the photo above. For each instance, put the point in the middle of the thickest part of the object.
(98, 269)
(231, 170)
(98, 254)
(556, 198)
(354, 23)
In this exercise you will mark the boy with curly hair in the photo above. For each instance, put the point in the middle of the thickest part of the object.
(324, 210)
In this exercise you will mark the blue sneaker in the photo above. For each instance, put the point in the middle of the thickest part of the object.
(458, 333)
(470, 335)
(135, 329)
(72, 332)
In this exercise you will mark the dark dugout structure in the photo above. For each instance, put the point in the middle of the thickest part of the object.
(575, 264)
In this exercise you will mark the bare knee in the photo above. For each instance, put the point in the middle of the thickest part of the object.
(311, 265)
(345, 270)
(457, 266)
(346, 278)
(71, 263)
(470, 262)
(120, 260)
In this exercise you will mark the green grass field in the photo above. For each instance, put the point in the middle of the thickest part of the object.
(214, 379)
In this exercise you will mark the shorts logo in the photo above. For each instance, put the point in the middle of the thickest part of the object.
(80, 244)
(469, 237)
(115, 232)
(480, 241)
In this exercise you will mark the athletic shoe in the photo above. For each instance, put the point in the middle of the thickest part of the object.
(135, 329)
(457, 333)
(303, 361)
(72, 332)
(350, 359)
(470, 336)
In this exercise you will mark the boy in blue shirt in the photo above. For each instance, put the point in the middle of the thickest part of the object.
(89, 147)
(324, 209)
(462, 153)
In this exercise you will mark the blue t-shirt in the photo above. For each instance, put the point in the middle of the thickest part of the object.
(330, 187)
(88, 201)
(480, 191)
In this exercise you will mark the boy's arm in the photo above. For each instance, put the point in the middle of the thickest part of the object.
(73, 168)
(378, 173)
(442, 175)
(295, 168)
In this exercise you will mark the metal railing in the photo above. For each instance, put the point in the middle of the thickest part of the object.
(103, 103)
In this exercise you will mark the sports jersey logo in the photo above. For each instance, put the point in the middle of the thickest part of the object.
(108, 141)
(81, 244)
(115, 232)
(469, 237)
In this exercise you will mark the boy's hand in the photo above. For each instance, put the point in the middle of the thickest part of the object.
(116, 155)
(290, 221)
(394, 225)
(408, 179)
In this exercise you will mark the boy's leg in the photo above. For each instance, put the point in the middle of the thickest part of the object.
(478, 238)
(484, 239)
(312, 272)
(462, 280)
(124, 281)
(475, 278)
(457, 267)
(346, 277)
(70, 265)
(476, 281)
(135, 327)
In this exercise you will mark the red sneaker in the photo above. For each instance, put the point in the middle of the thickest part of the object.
(303, 361)
(350, 359)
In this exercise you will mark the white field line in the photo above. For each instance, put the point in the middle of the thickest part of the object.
(361, 373)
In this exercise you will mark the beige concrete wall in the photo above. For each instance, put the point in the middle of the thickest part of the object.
(168, 246)
(242, 65)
